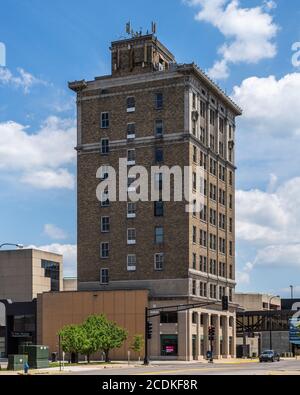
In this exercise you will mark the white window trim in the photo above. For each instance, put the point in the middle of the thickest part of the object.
(131, 268)
(101, 271)
(131, 242)
(104, 112)
(104, 231)
(104, 257)
(161, 254)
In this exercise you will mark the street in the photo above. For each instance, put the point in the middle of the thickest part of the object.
(290, 367)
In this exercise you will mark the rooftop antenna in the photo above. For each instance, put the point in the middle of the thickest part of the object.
(154, 27)
(128, 28)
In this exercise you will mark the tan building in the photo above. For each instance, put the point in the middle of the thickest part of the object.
(257, 302)
(154, 112)
(26, 273)
(126, 308)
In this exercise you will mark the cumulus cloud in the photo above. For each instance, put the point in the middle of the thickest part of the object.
(40, 158)
(249, 32)
(69, 252)
(54, 232)
(269, 102)
(269, 221)
(23, 79)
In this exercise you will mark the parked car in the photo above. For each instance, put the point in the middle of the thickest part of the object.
(269, 356)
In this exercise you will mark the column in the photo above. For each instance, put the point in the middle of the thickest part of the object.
(233, 343)
(198, 339)
(184, 336)
(206, 324)
(225, 330)
(217, 352)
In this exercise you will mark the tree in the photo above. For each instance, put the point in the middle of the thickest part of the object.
(72, 338)
(104, 334)
(138, 344)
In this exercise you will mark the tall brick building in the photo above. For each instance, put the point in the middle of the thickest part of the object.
(155, 112)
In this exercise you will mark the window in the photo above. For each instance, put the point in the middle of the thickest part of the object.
(131, 263)
(222, 197)
(230, 178)
(202, 109)
(104, 250)
(222, 245)
(230, 202)
(105, 199)
(231, 272)
(213, 192)
(158, 181)
(194, 100)
(168, 317)
(104, 146)
(104, 276)
(230, 295)
(194, 234)
(230, 225)
(212, 142)
(222, 269)
(212, 117)
(203, 264)
(222, 221)
(202, 135)
(213, 242)
(104, 172)
(104, 120)
(213, 167)
(130, 104)
(131, 130)
(159, 235)
(159, 155)
(194, 318)
(194, 287)
(231, 248)
(131, 236)
(195, 154)
(222, 173)
(213, 291)
(203, 238)
(52, 271)
(221, 149)
(159, 101)
(194, 128)
(221, 125)
(105, 224)
(131, 156)
(131, 180)
(159, 129)
(194, 261)
(169, 345)
(131, 210)
(213, 217)
(203, 214)
(158, 209)
(194, 181)
(213, 267)
(159, 262)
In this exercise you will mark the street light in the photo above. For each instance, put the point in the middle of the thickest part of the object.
(12, 245)
(292, 292)
(271, 320)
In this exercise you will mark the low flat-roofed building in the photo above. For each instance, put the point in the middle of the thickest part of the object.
(26, 273)
(257, 301)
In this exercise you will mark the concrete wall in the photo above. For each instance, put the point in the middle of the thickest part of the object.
(70, 284)
(256, 302)
(22, 277)
(55, 310)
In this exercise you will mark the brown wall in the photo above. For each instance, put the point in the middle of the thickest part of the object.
(55, 310)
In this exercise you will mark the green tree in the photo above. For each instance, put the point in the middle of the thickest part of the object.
(104, 334)
(138, 344)
(72, 338)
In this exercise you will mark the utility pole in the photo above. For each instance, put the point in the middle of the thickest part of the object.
(292, 292)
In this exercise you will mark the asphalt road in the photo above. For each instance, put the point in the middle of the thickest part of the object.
(277, 368)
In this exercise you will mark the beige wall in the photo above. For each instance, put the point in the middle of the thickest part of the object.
(55, 310)
(70, 284)
(21, 276)
(256, 302)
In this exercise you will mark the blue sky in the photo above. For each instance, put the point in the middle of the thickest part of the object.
(245, 46)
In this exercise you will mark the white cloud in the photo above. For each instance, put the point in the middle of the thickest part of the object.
(23, 79)
(40, 158)
(269, 103)
(249, 32)
(54, 232)
(49, 179)
(69, 252)
(280, 255)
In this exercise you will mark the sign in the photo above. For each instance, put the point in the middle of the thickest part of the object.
(21, 334)
(295, 331)
(170, 349)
